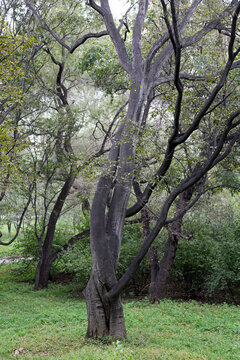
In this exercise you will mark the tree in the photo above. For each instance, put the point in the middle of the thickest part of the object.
(109, 208)
(63, 138)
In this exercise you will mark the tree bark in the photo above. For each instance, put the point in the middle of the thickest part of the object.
(46, 258)
(105, 318)
(160, 274)
(9, 225)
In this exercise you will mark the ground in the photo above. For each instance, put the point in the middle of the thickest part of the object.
(51, 324)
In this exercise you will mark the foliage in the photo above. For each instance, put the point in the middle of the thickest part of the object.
(15, 50)
(10, 46)
(225, 266)
(192, 264)
(131, 242)
(77, 260)
(101, 64)
(7, 250)
(27, 246)
(52, 325)
(210, 260)
(9, 151)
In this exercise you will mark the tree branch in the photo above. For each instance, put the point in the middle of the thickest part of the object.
(192, 179)
(70, 242)
(72, 47)
(118, 42)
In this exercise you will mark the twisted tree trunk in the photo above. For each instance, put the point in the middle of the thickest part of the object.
(104, 317)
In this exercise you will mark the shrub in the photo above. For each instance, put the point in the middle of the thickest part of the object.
(77, 261)
(210, 261)
(131, 243)
(192, 265)
(225, 266)
(27, 246)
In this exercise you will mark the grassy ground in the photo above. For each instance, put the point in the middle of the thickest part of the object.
(51, 324)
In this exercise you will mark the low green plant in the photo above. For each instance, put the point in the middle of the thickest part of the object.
(27, 246)
(51, 324)
(225, 265)
(77, 260)
(210, 260)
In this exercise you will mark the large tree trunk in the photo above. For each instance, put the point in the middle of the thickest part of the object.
(104, 317)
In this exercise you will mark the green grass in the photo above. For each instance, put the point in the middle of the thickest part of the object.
(51, 324)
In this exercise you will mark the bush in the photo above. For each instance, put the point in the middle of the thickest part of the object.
(210, 261)
(77, 261)
(225, 266)
(192, 265)
(131, 243)
(27, 246)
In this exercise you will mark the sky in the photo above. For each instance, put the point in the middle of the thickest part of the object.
(118, 8)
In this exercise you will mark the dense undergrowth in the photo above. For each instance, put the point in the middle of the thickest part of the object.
(206, 268)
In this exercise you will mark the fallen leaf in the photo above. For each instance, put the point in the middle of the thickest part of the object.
(18, 351)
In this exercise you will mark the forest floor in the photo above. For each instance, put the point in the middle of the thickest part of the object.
(51, 324)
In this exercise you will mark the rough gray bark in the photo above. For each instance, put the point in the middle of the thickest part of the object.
(104, 317)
